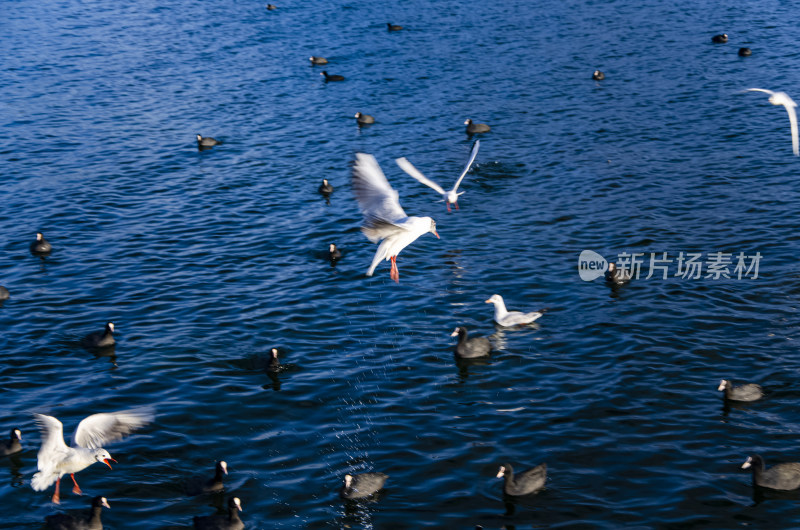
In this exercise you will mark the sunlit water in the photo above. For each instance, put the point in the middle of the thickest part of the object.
(206, 260)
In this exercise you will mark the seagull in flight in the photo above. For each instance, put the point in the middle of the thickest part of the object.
(450, 197)
(782, 98)
(57, 459)
(384, 218)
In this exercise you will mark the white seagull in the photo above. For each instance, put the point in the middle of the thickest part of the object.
(510, 318)
(56, 459)
(450, 197)
(782, 98)
(384, 218)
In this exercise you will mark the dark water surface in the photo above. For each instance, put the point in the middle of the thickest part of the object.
(206, 260)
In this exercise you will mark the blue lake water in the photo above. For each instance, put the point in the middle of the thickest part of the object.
(206, 260)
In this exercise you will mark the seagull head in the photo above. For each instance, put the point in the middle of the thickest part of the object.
(495, 299)
(101, 455)
(433, 228)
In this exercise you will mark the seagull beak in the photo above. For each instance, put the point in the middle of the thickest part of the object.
(105, 460)
(437, 235)
(488, 301)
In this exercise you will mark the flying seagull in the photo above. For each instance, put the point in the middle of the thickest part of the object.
(450, 197)
(57, 459)
(782, 98)
(384, 218)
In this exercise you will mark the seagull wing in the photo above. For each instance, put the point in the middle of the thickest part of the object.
(380, 204)
(406, 166)
(472, 156)
(770, 92)
(790, 108)
(100, 429)
(53, 445)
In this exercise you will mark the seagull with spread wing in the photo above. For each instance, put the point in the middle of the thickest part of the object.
(384, 218)
(450, 197)
(57, 459)
(782, 98)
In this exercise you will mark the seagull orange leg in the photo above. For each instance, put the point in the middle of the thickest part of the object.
(448, 205)
(77, 489)
(456, 205)
(56, 499)
(395, 274)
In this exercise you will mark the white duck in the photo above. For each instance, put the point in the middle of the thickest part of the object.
(57, 459)
(384, 218)
(450, 197)
(782, 98)
(510, 318)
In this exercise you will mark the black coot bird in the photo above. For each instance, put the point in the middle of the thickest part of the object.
(100, 339)
(598, 75)
(778, 477)
(204, 142)
(40, 246)
(222, 522)
(470, 348)
(274, 365)
(393, 27)
(745, 52)
(524, 483)
(329, 77)
(617, 276)
(364, 119)
(13, 444)
(199, 485)
(362, 486)
(720, 39)
(334, 253)
(473, 128)
(4, 294)
(326, 188)
(271, 7)
(317, 60)
(65, 521)
(746, 392)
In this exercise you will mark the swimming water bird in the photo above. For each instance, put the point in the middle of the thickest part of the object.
(326, 188)
(271, 7)
(470, 348)
(40, 246)
(720, 39)
(393, 27)
(745, 52)
(274, 365)
(65, 521)
(100, 339)
(778, 477)
(617, 276)
(511, 318)
(333, 252)
(55, 458)
(317, 60)
(222, 522)
(362, 485)
(4, 294)
(329, 77)
(781, 98)
(13, 445)
(204, 142)
(524, 483)
(450, 197)
(746, 392)
(384, 218)
(364, 119)
(473, 128)
(198, 485)
(598, 75)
